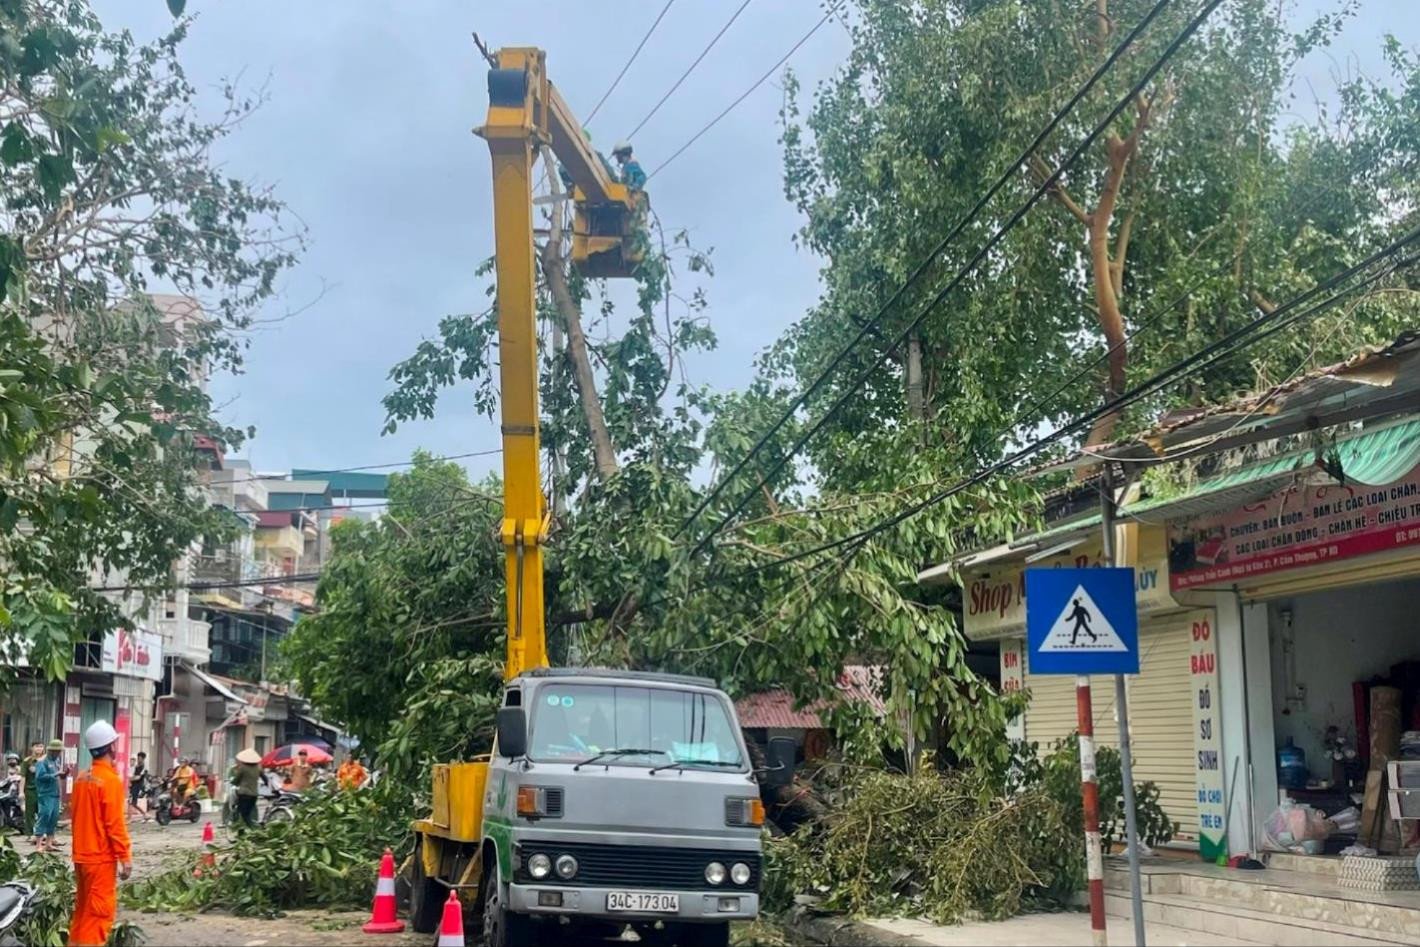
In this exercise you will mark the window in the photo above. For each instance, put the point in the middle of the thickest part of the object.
(577, 721)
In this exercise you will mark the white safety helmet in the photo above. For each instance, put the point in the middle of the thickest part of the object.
(622, 146)
(100, 735)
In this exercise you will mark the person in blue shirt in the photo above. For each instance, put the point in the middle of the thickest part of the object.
(631, 173)
(47, 774)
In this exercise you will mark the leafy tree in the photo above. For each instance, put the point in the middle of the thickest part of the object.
(406, 647)
(111, 193)
(1207, 188)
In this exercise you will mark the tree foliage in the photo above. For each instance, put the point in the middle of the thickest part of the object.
(406, 647)
(1227, 199)
(1206, 203)
(111, 192)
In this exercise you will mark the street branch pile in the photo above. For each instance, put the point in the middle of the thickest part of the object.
(968, 844)
(326, 856)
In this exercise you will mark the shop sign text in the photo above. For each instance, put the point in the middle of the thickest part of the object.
(1293, 528)
(1207, 738)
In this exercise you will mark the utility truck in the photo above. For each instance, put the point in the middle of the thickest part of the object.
(612, 798)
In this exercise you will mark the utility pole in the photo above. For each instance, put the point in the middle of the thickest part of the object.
(1121, 703)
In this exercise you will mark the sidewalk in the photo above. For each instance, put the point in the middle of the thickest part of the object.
(1065, 928)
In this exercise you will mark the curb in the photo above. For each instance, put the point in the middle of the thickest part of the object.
(844, 932)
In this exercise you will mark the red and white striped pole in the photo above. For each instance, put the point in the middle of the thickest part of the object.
(1090, 794)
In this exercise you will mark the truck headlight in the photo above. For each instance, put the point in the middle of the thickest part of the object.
(739, 873)
(539, 866)
(715, 873)
(566, 866)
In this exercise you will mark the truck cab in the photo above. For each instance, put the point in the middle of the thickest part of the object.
(612, 798)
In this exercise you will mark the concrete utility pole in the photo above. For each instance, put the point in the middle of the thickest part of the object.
(1121, 703)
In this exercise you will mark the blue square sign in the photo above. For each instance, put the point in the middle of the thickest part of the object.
(1082, 621)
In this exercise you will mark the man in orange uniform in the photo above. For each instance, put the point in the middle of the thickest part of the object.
(102, 853)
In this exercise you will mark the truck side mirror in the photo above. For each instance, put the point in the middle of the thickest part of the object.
(512, 732)
(780, 771)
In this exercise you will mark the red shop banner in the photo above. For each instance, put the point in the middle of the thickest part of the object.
(1293, 528)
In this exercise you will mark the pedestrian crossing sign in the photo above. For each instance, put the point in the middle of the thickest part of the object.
(1082, 621)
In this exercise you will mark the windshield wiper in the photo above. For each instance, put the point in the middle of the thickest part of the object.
(625, 751)
(682, 764)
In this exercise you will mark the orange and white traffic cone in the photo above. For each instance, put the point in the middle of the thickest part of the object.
(209, 858)
(451, 930)
(383, 913)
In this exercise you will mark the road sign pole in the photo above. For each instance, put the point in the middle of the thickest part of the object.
(1121, 704)
(1090, 794)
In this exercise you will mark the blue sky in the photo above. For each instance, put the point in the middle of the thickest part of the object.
(367, 137)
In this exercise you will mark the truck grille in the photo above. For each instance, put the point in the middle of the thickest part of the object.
(640, 866)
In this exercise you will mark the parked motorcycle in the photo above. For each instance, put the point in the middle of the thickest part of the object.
(12, 804)
(17, 901)
(282, 807)
(170, 808)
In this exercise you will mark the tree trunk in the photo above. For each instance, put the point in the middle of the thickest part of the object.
(554, 268)
(916, 402)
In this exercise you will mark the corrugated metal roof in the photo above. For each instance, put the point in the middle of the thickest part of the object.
(858, 683)
(1377, 381)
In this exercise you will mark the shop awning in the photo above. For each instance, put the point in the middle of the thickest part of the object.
(214, 684)
(1376, 382)
(1374, 457)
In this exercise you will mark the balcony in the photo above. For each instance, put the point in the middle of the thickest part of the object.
(186, 638)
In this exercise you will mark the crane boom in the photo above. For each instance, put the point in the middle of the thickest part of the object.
(526, 113)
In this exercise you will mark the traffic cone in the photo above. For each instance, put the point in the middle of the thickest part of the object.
(383, 914)
(451, 930)
(209, 858)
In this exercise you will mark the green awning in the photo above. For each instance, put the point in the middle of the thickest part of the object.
(1374, 457)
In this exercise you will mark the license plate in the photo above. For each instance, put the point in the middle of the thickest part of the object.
(643, 902)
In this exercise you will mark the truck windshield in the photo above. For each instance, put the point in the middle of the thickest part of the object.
(577, 721)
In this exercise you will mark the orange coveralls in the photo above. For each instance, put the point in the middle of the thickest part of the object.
(100, 844)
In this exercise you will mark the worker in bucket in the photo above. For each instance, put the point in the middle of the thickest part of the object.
(102, 852)
(632, 174)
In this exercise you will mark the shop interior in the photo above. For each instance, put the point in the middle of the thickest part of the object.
(1346, 695)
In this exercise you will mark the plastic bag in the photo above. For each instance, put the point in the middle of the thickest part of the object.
(1347, 820)
(1296, 828)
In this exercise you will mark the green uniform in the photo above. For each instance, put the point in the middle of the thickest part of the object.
(27, 773)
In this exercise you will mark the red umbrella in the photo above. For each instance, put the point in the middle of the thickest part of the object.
(286, 755)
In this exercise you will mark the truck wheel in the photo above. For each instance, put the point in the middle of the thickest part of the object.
(501, 927)
(426, 907)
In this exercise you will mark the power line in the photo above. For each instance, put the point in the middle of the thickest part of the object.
(1212, 353)
(317, 474)
(689, 69)
(744, 95)
(1011, 222)
(634, 53)
(871, 326)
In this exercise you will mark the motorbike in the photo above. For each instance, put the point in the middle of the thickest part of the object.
(17, 901)
(170, 808)
(12, 804)
(282, 806)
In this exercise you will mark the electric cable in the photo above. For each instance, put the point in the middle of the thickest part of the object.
(689, 69)
(873, 324)
(746, 93)
(634, 53)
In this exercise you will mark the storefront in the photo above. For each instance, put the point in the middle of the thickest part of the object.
(1173, 747)
(1325, 570)
(31, 712)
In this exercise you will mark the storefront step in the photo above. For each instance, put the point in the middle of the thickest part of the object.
(1326, 865)
(1290, 898)
(1240, 924)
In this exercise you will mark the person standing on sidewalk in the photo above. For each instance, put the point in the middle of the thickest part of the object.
(47, 774)
(102, 852)
(27, 772)
(138, 784)
(247, 783)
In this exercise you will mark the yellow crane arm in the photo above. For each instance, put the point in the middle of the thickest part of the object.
(525, 113)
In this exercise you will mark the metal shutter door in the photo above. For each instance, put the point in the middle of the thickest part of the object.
(1052, 714)
(1161, 718)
